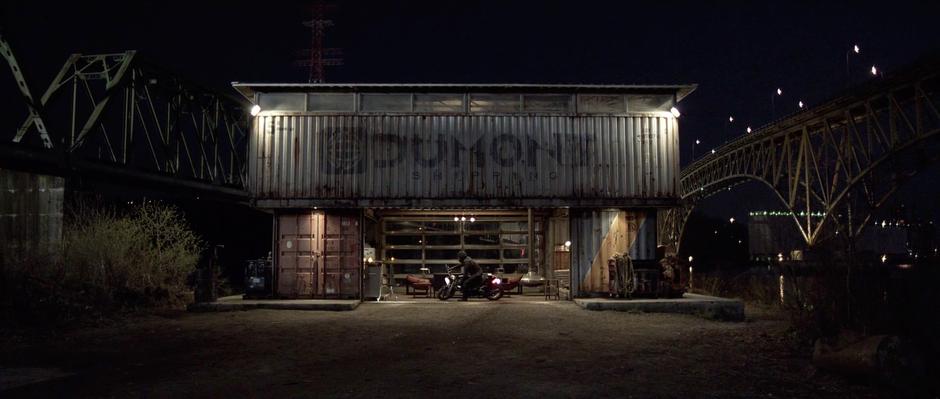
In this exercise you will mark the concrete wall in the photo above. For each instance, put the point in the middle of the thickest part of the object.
(30, 213)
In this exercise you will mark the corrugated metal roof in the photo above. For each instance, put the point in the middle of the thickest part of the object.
(680, 90)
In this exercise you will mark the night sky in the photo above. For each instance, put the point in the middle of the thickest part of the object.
(738, 53)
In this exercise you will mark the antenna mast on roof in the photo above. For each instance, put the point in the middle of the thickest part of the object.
(317, 56)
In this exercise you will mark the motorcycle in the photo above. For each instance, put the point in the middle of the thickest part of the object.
(453, 282)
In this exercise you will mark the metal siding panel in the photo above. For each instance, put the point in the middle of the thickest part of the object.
(554, 157)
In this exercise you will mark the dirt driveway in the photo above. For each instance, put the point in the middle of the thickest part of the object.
(518, 350)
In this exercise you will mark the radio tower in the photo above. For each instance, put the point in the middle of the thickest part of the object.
(318, 56)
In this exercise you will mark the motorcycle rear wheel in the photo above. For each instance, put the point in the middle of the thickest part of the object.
(495, 294)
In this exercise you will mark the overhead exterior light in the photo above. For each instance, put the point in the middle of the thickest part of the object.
(800, 104)
(690, 258)
(255, 109)
(456, 219)
(675, 112)
(697, 141)
(748, 129)
(472, 219)
(874, 71)
(567, 244)
(731, 119)
(713, 150)
(779, 92)
(855, 49)
(731, 220)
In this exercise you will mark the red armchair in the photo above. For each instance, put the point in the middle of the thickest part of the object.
(417, 284)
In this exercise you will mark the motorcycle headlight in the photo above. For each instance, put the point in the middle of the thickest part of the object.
(497, 281)
(447, 280)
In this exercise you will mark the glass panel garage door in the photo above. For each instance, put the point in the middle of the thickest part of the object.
(410, 243)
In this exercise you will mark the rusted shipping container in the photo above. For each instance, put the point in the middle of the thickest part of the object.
(429, 160)
(318, 255)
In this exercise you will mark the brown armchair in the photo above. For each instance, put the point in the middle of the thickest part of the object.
(417, 285)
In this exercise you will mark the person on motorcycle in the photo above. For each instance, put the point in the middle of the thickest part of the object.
(472, 274)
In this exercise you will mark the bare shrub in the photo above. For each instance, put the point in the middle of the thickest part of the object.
(108, 262)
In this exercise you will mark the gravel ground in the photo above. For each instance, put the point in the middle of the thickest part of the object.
(520, 349)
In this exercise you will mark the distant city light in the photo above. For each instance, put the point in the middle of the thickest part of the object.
(690, 258)
(472, 219)
(884, 258)
(781, 213)
(463, 218)
(675, 112)
(874, 71)
(255, 109)
(855, 48)
(713, 150)
(731, 119)
(731, 220)
(779, 91)
(456, 219)
(800, 104)
(697, 141)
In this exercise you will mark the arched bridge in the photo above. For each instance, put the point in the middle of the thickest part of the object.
(831, 165)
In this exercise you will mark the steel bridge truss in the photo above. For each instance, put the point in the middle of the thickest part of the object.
(830, 166)
(118, 112)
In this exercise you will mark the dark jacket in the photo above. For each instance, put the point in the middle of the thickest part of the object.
(471, 268)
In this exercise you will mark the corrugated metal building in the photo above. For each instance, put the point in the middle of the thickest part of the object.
(30, 214)
(414, 173)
